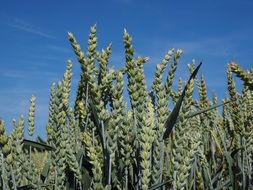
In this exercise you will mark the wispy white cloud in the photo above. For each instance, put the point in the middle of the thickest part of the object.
(218, 46)
(27, 27)
(209, 46)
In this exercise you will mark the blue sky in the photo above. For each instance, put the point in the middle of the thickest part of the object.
(34, 45)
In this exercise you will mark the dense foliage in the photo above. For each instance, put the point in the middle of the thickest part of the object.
(101, 143)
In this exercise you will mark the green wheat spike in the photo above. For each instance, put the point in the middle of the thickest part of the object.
(51, 115)
(31, 116)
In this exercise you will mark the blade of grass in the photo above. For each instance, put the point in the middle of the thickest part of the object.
(170, 122)
(45, 171)
(206, 109)
(28, 143)
(101, 126)
(224, 184)
(160, 185)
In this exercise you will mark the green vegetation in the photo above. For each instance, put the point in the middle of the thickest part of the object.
(101, 143)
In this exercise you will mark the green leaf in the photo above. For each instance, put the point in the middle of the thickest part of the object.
(224, 184)
(218, 174)
(45, 171)
(86, 179)
(79, 155)
(26, 187)
(99, 125)
(206, 109)
(40, 140)
(86, 169)
(229, 160)
(170, 122)
(160, 185)
(234, 152)
(85, 162)
(36, 145)
(207, 176)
